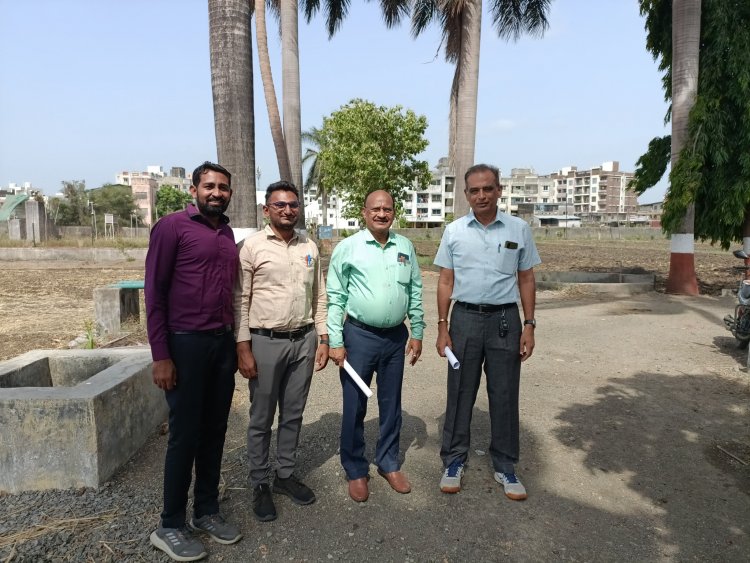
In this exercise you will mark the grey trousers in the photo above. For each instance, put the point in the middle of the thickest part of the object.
(285, 370)
(477, 343)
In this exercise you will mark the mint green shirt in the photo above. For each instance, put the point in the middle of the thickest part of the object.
(376, 285)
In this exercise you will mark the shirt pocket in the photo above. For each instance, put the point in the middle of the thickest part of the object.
(403, 273)
(507, 260)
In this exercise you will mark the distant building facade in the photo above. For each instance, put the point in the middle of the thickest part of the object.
(144, 186)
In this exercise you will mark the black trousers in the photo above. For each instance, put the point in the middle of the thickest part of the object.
(198, 412)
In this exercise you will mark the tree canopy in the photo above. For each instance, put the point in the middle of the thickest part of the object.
(169, 199)
(116, 199)
(367, 147)
(713, 171)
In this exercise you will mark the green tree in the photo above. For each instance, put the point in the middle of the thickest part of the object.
(169, 199)
(710, 146)
(367, 147)
(315, 176)
(116, 199)
(72, 209)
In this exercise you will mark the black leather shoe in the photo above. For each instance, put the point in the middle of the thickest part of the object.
(263, 506)
(294, 489)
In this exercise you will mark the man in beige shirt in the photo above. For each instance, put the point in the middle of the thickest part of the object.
(280, 309)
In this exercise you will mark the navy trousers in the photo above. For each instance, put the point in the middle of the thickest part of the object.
(369, 352)
(198, 413)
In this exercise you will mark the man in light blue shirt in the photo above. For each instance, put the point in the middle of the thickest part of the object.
(486, 261)
(374, 280)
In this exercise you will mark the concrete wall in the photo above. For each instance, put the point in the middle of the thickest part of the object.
(75, 436)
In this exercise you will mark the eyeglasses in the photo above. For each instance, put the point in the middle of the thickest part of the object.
(376, 210)
(280, 205)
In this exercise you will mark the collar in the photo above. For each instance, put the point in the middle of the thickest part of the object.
(498, 218)
(369, 238)
(270, 234)
(196, 215)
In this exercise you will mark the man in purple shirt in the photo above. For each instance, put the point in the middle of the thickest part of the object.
(190, 272)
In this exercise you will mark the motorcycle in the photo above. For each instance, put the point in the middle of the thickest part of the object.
(739, 324)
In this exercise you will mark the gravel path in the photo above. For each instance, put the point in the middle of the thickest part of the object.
(628, 407)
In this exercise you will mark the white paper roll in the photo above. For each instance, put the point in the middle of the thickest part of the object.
(357, 379)
(452, 360)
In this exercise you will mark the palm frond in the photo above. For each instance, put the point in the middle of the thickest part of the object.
(394, 10)
(513, 18)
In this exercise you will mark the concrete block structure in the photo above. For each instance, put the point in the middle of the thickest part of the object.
(71, 418)
(116, 304)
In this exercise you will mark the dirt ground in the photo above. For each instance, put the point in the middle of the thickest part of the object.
(635, 431)
(47, 304)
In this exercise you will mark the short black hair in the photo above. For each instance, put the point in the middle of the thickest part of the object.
(205, 167)
(281, 186)
(483, 168)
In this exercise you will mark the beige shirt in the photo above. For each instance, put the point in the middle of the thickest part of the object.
(279, 285)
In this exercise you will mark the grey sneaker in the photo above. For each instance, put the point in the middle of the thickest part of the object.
(451, 480)
(178, 543)
(514, 490)
(215, 526)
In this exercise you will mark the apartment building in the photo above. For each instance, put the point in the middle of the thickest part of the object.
(599, 195)
(144, 186)
(428, 207)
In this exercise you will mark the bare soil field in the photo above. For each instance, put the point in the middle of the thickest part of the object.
(47, 304)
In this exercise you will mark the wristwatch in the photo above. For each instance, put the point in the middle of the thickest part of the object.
(531, 322)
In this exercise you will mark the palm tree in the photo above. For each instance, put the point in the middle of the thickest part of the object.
(232, 88)
(282, 156)
(686, 29)
(315, 176)
(290, 94)
(461, 22)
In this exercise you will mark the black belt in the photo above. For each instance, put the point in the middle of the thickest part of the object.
(220, 331)
(484, 308)
(370, 328)
(295, 334)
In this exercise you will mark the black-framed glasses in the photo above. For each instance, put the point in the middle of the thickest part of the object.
(280, 205)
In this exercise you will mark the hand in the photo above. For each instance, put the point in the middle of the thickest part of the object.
(415, 347)
(527, 343)
(443, 340)
(164, 374)
(321, 357)
(246, 361)
(337, 355)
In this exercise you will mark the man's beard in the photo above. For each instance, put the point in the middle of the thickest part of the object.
(216, 210)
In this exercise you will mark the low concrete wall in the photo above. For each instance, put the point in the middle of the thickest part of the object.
(597, 282)
(63, 429)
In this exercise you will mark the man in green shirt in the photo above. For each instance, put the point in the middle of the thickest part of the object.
(374, 279)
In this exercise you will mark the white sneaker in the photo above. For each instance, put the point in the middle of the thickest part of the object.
(514, 489)
(451, 480)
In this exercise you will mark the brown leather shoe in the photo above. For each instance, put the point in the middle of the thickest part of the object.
(358, 489)
(397, 480)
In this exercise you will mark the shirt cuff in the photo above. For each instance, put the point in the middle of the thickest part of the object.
(160, 351)
(243, 334)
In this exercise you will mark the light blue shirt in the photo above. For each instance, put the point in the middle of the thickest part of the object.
(485, 260)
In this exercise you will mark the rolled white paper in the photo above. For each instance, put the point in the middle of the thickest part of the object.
(452, 360)
(357, 379)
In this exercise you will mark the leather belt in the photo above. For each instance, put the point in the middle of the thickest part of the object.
(370, 328)
(220, 331)
(484, 308)
(296, 334)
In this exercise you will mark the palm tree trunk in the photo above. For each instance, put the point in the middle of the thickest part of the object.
(468, 90)
(270, 93)
(232, 88)
(290, 95)
(686, 30)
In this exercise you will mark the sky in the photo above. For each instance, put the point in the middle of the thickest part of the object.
(95, 87)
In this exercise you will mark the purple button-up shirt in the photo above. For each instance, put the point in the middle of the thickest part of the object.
(190, 273)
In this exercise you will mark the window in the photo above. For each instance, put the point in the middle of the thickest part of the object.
(435, 212)
(436, 198)
(351, 223)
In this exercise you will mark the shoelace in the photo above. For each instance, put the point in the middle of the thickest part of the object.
(510, 477)
(453, 469)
